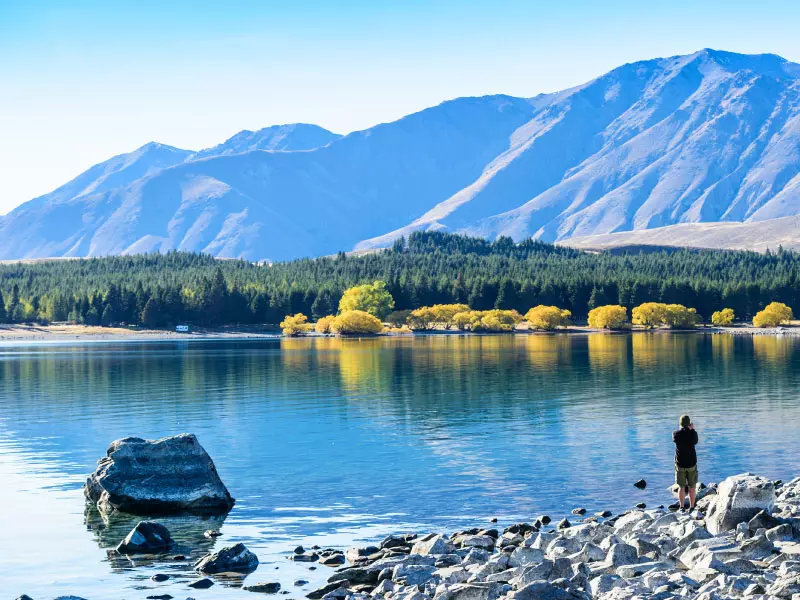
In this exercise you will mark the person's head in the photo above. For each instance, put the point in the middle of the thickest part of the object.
(685, 421)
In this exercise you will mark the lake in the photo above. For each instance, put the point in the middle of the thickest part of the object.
(337, 442)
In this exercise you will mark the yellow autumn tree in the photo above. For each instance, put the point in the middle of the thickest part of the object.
(547, 318)
(438, 315)
(325, 324)
(295, 324)
(352, 322)
(611, 316)
(723, 318)
(373, 298)
(465, 320)
(649, 314)
(677, 316)
(774, 314)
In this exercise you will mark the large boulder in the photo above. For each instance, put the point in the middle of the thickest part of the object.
(738, 499)
(232, 559)
(146, 538)
(170, 475)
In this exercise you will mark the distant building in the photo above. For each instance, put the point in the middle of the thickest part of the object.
(182, 329)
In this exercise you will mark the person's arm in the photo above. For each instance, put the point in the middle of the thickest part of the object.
(674, 434)
(696, 439)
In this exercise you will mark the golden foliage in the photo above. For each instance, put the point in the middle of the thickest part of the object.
(649, 314)
(295, 325)
(547, 318)
(723, 318)
(325, 324)
(487, 320)
(438, 315)
(773, 315)
(679, 317)
(654, 314)
(355, 322)
(373, 298)
(611, 316)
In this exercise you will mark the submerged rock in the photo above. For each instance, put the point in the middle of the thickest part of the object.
(147, 537)
(170, 475)
(232, 559)
(271, 587)
(201, 584)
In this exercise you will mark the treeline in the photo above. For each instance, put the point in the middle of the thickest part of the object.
(424, 270)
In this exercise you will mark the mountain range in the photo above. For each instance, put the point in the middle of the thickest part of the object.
(710, 137)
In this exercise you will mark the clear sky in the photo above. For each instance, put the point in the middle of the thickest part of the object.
(81, 80)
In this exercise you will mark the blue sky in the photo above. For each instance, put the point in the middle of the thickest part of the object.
(81, 81)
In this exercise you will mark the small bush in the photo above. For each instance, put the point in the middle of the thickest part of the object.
(547, 318)
(723, 318)
(773, 315)
(356, 321)
(325, 324)
(295, 325)
(611, 316)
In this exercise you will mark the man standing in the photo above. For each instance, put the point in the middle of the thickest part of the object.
(685, 440)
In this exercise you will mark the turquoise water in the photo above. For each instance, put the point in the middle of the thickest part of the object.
(335, 442)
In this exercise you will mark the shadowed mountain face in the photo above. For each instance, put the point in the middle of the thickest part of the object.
(707, 137)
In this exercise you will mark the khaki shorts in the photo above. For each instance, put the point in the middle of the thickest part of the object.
(684, 477)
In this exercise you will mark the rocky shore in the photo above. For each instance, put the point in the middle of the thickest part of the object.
(743, 541)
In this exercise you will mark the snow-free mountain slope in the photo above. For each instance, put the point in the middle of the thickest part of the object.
(703, 138)
(755, 235)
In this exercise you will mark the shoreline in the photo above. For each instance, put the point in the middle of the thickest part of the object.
(745, 535)
(59, 333)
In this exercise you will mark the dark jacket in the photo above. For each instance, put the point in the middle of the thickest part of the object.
(685, 440)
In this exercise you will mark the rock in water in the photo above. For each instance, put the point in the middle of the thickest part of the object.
(739, 498)
(271, 587)
(170, 475)
(146, 538)
(201, 584)
(641, 484)
(232, 559)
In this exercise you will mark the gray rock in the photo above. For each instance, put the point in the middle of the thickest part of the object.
(739, 498)
(24, 597)
(269, 587)
(605, 583)
(147, 537)
(355, 575)
(201, 584)
(332, 560)
(231, 559)
(757, 547)
(541, 590)
(639, 569)
(472, 591)
(532, 573)
(641, 484)
(781, 533)
(386, 586)
(159, 577)
(621, 554)
(486, 542)
(170, 475)
(436, 544)
(579, 511)
(357, 555)
(305, 557)
(524, 556)
(763, 520)
(563, 524)
(413, 574)
(326, 589)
